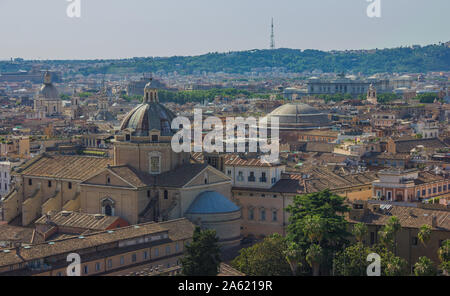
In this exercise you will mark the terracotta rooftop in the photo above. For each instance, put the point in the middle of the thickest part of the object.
(79, 220)
(174, 178)
(64, 167)
(412, 217)
(177, 229)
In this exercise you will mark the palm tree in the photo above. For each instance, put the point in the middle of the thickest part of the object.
(313, 257)
(424, 267)
(424, 234)
(293, 256)
(444, 256)
(313, 228)
(359, 231)
(389, 232)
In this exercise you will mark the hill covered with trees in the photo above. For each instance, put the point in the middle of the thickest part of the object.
(401, 59)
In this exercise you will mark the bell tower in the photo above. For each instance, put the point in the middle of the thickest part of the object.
(372, 95)
(150, 93)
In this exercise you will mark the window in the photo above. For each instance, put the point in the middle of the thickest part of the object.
(148, 193)
(108, 180)
(49, 183)
(133, 258)
(70, 185)
(440, 189)
(274, 180)
(434, 190)
(110, 263)
(251, 178)
(263, 178)
(414, 241)
(154, 164)
(378, 193)
(389, 195)
(445, 187)
(251, 214)
(122, 260)
(429, 190)
(372, 238)
(97, 266)
(86, 269)
(168, 250)
(263, 215)
(418, 193)
(229, 172)
(127, 137)
(274, 216)
(154, 138)
(177, 247)
(145, 255)
(424, 192)
(240, 176)
(156, 252)
(166, 194)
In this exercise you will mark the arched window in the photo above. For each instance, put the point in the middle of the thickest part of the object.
(108, 210)
(108, 206)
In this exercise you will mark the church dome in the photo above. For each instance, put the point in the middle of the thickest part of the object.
(212, 202)
(48, 90)
(149, 116)
(294, 109)
(300, 114)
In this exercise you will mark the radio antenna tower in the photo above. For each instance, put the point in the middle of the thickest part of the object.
(272, 37)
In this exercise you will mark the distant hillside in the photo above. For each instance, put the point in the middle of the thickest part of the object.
(403, 59)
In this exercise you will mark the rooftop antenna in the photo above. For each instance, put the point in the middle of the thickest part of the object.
(272, 37)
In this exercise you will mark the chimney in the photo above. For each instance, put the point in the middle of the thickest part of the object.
(434, 221)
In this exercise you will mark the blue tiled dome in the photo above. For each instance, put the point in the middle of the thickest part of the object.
(211, 202)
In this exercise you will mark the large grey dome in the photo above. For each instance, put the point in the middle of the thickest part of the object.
(294, 109)
(149, 116)
(300, 114)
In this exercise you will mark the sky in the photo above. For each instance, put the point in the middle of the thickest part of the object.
(109, 29)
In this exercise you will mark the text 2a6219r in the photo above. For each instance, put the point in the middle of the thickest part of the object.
(247, 286)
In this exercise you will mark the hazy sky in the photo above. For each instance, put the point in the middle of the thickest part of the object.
(129, 28)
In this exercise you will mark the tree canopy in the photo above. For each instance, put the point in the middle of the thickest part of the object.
(266, 258)
(202, 254)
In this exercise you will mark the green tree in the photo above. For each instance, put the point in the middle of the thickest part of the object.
(424, 234)
(391, 265)
(293, 256)
(325, 211)
(314, 256)
(424, 267)
(313, 228)
(360, 231)
(352, 261)
(266, 258)
(389, 232)
(444, 256)
(202, 254)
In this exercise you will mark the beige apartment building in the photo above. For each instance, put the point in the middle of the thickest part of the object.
(156, 246)
(411, 217)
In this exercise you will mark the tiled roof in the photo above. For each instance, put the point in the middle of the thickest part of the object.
(9, 233)
(79, 220)
(412, 217)
(236, 160)
(405, 146)
(64, 167)
(177, 230)
(177, 177)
